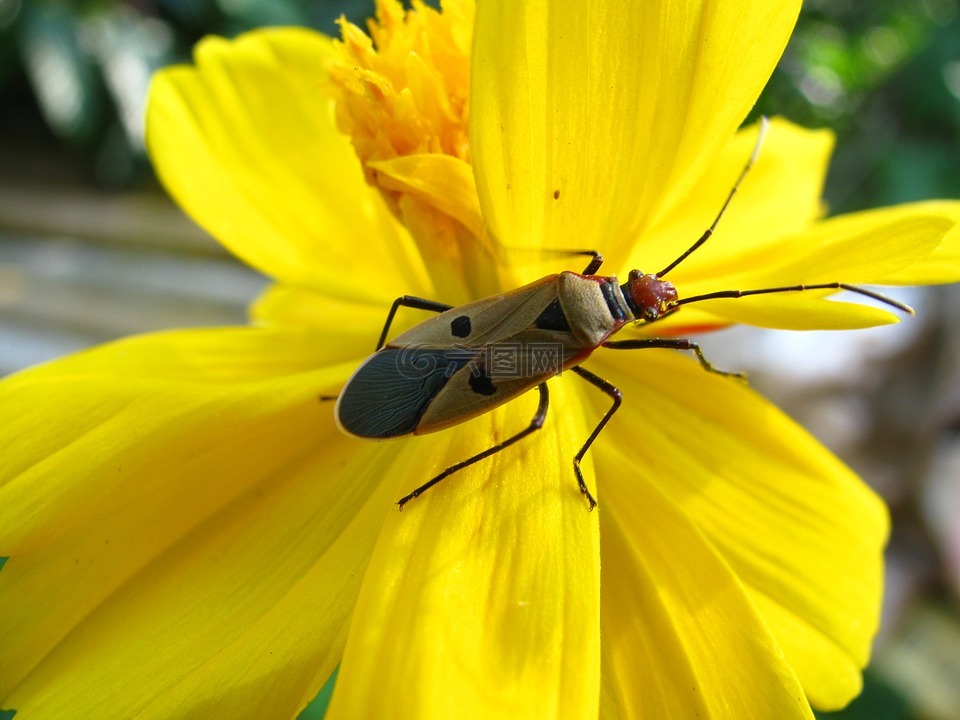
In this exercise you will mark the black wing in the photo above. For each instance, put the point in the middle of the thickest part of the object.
(390, 392)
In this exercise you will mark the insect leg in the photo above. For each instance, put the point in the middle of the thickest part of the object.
(595, 264)
(616, 396)
(591, 269)
(671, 344)
(411, 302)
(535, 424)
(405, 301)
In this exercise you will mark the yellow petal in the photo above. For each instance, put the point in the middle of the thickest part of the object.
(432, 189)
(584, 117)
(179, 508)
(352, 326)
(244, 617)
(482, 598)
(680, 636)
(791, 311)
(282, 190)
(122, 403)
(800, 530)
(779, 196)
(943, 264)
(860, 248)
(444, 181)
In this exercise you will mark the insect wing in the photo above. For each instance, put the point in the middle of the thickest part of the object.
(389, 393)
(498, 374)
(458, 365)
(483, 322)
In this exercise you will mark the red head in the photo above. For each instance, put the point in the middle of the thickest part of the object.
(648, 296)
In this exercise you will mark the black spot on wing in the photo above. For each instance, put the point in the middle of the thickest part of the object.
(393, 388)
(481, 383)
(461, 327)
(552, 318)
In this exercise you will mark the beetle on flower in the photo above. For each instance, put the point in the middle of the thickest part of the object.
(189, 535)
(444, 371)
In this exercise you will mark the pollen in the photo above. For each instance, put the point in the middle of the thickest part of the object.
(403, 88)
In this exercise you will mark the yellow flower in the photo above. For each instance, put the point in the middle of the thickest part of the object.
(189, 535)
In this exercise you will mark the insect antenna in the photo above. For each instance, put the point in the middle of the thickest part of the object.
(764, 124)
(797, 288)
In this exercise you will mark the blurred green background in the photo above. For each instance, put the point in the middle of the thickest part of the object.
(90, 250)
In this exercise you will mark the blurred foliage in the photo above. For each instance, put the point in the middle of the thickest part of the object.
(885, 75)
(81, 68)
(318, 707)
(878, 701)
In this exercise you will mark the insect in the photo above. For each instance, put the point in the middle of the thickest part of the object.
(470, 359)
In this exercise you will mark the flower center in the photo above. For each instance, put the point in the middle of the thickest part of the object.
(402, 95)
(403, 89)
